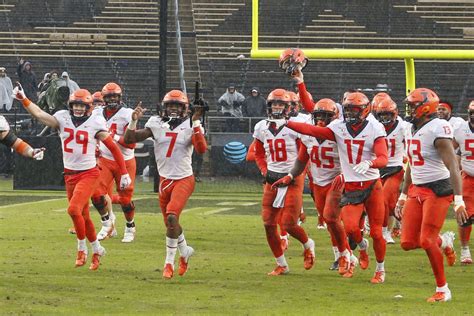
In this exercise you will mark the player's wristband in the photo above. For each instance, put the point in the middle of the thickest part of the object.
(26, 102)
(116, 137)
(291, 176)
(458, 202)
(403, 197)
(132, 125)
(196, 123)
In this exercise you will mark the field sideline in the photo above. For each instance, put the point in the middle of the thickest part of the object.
(227, 274)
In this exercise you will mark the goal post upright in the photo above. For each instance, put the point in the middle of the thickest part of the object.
(408, 55)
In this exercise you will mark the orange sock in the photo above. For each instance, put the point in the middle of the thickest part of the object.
(465, 234)
(273, 240)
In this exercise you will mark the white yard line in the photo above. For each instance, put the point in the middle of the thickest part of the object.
(32, 202)
(218, 210)
(237, 203)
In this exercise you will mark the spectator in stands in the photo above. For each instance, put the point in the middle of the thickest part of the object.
(6, 90)
(254, 105)
(72, 85)
(231, 105)
(44, 82)
(27, 79)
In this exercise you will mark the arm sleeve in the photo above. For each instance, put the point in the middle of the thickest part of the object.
(118, 157)
(380, 151)
(311, 130)
(260, 157)
(251, 152)
(198, 140)
(304, 97)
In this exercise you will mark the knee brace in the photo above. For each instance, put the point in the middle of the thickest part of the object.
(129, 207)
(99, 202)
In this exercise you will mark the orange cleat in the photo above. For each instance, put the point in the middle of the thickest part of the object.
(350, 271)
(279, 270)
(183, 261)
(308, 259)
(96, 259)
(440, 297)
(396, 232)
(450, 255)
(81, 258)
(379, 277)
(344, 265)
(363, 259)
(168, 271)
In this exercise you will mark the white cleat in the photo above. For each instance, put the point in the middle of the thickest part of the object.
(322, 226)
(107, 230)
(129, 234)
(465, 256)
(387, 235)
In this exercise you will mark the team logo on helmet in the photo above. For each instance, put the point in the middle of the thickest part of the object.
(421, 103)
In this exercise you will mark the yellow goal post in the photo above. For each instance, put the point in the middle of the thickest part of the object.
(409, 55)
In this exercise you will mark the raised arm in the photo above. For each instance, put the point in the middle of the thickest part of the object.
(198, 139)
(33, 109)
(132, 135)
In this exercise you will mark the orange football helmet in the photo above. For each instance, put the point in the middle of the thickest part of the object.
(294, 104)
(325, 111)
(421, 103)
(175, 105)
(278, 96)
(82, 97)
(97, 97)
(292, 59)
(378, 98)
(386, 111)
(112, 94)
(356, 107)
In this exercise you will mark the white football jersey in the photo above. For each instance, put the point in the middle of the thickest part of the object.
(396, 142)
(79, 142)
(425, 162)
(455, 122)
(302, 118)
(117, 124)
(280, 149)
(173, 148)
(324, 159)
(355, 147)
(4, 126)
(464, 136)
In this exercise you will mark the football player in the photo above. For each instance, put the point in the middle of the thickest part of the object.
(97, 100)
(362, 151)
(78, 130)
(175, 134)
(276, 150)
(464, 141)
(325, 174)
(430, 181)
(444, 111)
(386, 113)
(117, 118)
(9, 139)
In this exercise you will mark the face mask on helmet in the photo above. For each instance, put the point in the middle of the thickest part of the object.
(353, 114)
(470, 114)
(112, 101)
(174, 110)
(294, 109)
(386, 118)
(278, 110)
(323, 118)
(78, 109)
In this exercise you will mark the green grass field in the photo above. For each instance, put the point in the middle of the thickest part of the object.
(227, 274)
